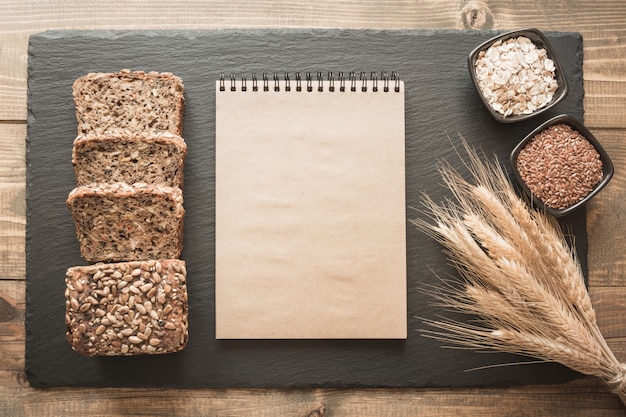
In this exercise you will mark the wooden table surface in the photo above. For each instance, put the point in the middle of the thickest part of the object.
(603, 26)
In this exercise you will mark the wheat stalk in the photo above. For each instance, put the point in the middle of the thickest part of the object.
(519, 276)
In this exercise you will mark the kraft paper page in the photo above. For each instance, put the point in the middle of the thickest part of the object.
(310, 214)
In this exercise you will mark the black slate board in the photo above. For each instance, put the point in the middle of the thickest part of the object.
(440, 104)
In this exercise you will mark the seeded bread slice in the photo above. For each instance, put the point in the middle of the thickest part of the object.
(127, 308)
(122, 222)
(130, 157)
(129, 102)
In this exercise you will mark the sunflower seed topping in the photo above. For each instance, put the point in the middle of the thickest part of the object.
(127, 308)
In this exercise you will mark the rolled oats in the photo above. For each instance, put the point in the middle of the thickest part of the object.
(515, 76)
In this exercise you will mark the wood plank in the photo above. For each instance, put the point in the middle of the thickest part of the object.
(12, 200)
(586, 397)
(12, 313)
(617, 345)
(13, 73)
(610, 306)
(12, 355)
(605, 226)
(13, 152)
(12, 309)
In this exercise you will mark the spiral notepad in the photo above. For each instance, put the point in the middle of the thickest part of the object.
(310, 207)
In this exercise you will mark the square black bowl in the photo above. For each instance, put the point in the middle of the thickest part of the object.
(607, 165)
(540, 41)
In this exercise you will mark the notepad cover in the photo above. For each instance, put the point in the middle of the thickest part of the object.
(310, 214)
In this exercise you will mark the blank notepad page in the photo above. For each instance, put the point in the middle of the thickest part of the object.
(310, 212)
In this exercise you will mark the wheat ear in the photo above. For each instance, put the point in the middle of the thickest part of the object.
(520, 277)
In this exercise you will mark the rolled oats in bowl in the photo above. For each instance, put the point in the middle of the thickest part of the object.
(517, 75)
(561, 165)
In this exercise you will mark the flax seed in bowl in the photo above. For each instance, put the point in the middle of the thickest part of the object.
(561, 165)
(517, 75)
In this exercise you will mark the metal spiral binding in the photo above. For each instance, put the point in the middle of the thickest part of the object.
(287, 82)
(298, 82)
(387, 80)
(266, 83)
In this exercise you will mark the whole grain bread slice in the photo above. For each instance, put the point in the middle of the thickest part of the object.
(129, 101)
(127, 308)
(122, 222)
(153, 158)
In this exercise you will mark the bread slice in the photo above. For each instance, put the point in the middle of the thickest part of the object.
(127, 308)
(129, 101)
(122, 222)
(130, 157)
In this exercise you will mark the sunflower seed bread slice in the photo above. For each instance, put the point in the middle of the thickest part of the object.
(127, 308)
(122, 222)
(129, 101)
(130, 157)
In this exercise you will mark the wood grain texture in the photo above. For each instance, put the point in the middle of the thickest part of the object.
(591, 400)
(603, 25)
(610, 306)
(605, 217)
(12, 307)
(12, 200)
